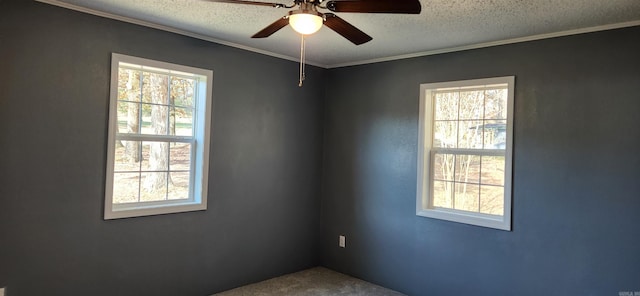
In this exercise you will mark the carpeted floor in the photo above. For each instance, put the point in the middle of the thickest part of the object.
(318, 281)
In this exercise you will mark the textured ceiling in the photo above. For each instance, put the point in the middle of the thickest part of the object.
(443, 25)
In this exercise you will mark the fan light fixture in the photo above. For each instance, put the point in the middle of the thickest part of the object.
(305, 22)
(306, 19)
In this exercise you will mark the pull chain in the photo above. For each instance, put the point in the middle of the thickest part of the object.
(302, 61)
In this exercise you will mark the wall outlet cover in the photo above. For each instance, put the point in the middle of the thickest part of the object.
(342, 241)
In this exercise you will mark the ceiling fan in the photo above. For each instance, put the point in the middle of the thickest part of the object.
(306, 19)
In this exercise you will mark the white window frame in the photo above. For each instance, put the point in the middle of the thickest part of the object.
(197, 200)
(424, 204)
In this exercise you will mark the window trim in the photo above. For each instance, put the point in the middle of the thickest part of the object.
(197, 200)
(424, 205)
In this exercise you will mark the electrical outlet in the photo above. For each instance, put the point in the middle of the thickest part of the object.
(342, 242)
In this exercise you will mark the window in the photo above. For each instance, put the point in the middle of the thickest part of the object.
(158, 153)
(464, 161)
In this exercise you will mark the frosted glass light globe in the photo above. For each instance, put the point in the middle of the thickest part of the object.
(305, 23)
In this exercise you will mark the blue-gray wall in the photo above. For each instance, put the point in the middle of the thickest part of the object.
(576, 186)
(264, 176)
(350, 133)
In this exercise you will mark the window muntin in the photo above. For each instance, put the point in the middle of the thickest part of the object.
(158, 138)
(465, 158)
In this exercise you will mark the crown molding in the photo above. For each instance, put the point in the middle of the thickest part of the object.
(492, 43)
(174, 30)
(340, 65)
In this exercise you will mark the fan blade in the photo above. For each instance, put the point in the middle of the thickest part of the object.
(270, 29)
(277, 5)
(376, 6)
(345, 29)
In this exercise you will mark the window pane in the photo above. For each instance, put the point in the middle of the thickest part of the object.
(125, 187)
(496, 104)
(492, 170)
(466, 197)
(155, 156)
(128, 117)
(495, 134)
(181, 121)
(154, 119)
(446, 106)
(471, 105)
(180, 157)
(445, 134)
(155, 88)
(146, 88)
(443, 167)
(492, 200)
(129, 85)
(467, 168)
(182, 91)
(470, 134)
(172, 121)
(122, 84)
(127, 156)
(179, 186)
(145, 120)
(153, 186)
(442, 194)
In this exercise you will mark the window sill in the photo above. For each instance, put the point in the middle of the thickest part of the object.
(478, 219)
(150, 209)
